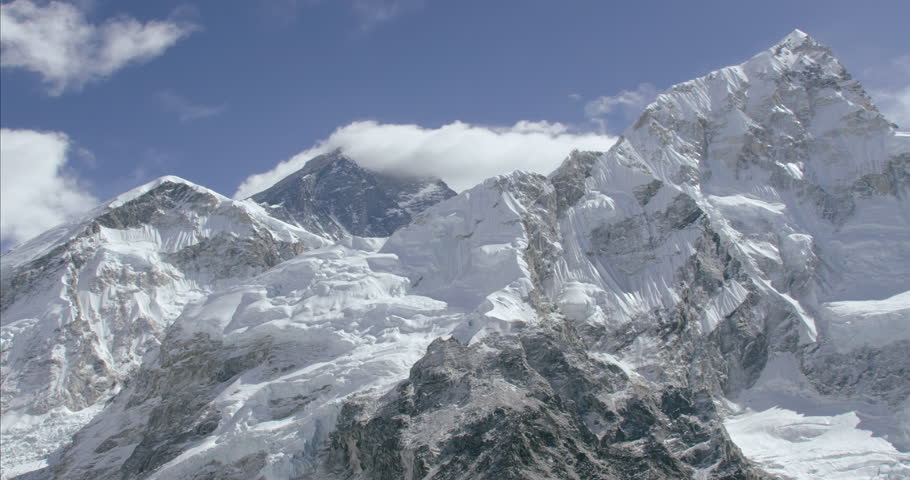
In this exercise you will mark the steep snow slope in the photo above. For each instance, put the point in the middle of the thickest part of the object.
(784, 156)
(334, 196)
(82, 303)
(759, 212)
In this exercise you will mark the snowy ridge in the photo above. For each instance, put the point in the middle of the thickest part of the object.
(711, 142)
(83, 303)
(803, 186)
(289, 346)
(141, 190)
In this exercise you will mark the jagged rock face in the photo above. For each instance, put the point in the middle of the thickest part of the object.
(569, 178)
(332, 195)
(79, 316)
(532, 406)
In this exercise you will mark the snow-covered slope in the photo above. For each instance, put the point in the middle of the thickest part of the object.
(752, 216)
(334, 196)
(252, 381)
(743, 251)
(81, 304)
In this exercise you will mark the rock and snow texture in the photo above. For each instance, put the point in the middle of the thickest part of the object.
(81, 304)
(251, 380)
(752, 216)
(332, 195)
(295, 374)
(744, 250)
(532, 405)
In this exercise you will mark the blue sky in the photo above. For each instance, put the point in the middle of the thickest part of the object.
(216, 91)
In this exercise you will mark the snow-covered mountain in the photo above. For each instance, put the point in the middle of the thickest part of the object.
(724, 294)
(334, 196)
(749, 235)
(82, 303)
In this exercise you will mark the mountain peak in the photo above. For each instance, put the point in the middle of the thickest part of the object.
(792, 92)
(333, 194)
(796, 38)
(799, 51)
(155, 184)
(319, 162)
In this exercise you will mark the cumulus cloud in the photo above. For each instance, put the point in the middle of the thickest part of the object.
(36, 192)
(459, 153)
(56, 41)
(627, 103)
(187, 110)
(894, 100)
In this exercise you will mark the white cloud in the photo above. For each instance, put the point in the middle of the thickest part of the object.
(894, 100)
(632, 99)
(56, 41)
(186, 110)
(36, 193)
(461, 154)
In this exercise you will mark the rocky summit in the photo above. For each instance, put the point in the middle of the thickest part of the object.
(724, 294)
(334, 196)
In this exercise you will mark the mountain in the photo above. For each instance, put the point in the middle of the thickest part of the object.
(332, 195)
(83, 303)
(749, 235)
(724, 294)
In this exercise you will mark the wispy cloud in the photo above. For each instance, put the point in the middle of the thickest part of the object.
(575, 97)
(460, 153)
(368, 13)
(56, 41)
(374, 12)
(37, 191)
(623, 106)
(186, 110)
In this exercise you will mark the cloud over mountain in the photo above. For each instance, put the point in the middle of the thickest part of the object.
(36, 192)
(460, 153)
